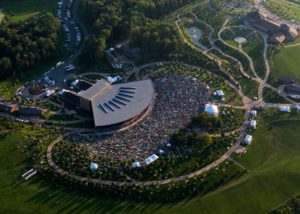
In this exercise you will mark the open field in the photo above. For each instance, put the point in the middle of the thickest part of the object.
(286, 63)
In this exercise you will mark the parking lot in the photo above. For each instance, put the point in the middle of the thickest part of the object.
(55, 77)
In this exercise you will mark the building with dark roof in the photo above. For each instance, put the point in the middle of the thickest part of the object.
(286, 80)
(114, 105)
(70, 97)
(292, 89)
(278, 32)
(84, 85)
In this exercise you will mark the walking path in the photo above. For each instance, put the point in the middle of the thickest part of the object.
(239, 164)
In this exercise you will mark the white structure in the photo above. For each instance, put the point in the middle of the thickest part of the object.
(136, 164)
(61, 92)
(151, 159)
(27, 173)
(113, 79)
(253, 124)
(49, 92)
(253, 113)
(74, 83)
(220, 93)
(94, 166)
(285, 109)
(161, 151)
(248, 139)
(211, 109)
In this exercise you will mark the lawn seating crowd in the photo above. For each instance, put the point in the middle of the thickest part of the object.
(178, 99)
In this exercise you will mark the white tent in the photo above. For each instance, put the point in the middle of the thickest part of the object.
(94, 166)
(248, 139)
(220, 93)
(285, 109)
(61, 92)
(253, 124)
(151, 159)
(113, 79)
(74, 83)
(297, 107)
(211, 109)
(49, 92)
(136, 164)
(253, 113)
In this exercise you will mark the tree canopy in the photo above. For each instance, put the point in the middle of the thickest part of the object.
(138, 21)
(24, 44)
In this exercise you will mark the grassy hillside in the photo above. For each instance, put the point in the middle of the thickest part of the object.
(274, 178)
(286, 63)
(21, 9)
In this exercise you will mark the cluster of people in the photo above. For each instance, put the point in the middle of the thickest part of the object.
(178, 99)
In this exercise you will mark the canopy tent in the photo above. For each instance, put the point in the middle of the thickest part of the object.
(93, 166)
(211, 109)
(248, 139)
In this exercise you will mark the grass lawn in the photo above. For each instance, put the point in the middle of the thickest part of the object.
(287, 9)
(254, 48)
(273, 159)
(286, 63)
(19, 10)
(271, 96)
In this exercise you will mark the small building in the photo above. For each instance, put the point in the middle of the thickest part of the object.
(292, 89)
(253, 124)
(248, 139)
(285, 109)
(136, 164)
(253, 113)
(278, 38)
(151, 159)
(211, 109)
(93, 166)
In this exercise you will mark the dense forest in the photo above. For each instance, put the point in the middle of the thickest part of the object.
(24, 44)
(141, 22)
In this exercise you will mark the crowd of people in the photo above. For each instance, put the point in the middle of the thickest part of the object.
(178, 98)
